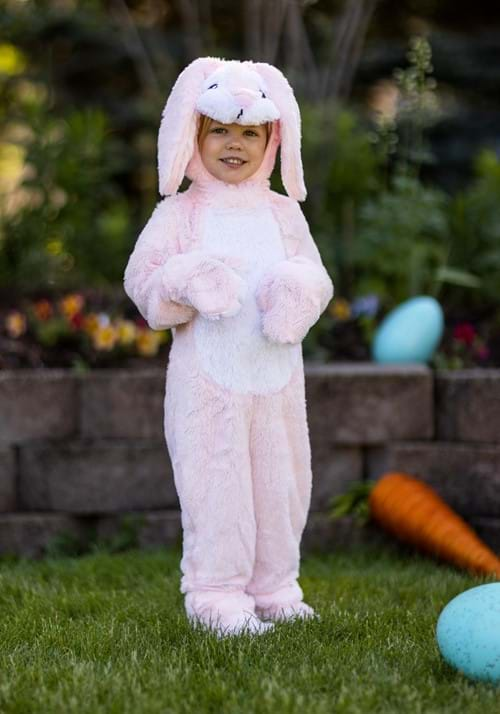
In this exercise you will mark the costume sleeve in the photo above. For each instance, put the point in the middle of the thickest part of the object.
(144, 279)
(307, 253)
(292, 295)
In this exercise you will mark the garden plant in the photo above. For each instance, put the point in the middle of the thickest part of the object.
(386, 230)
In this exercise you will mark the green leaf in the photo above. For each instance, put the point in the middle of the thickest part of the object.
(455, 276)
(354, 502)
(53, 331)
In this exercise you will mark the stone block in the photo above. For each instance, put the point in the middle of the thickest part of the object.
(164, 528)
(122, 404)
(335, 468)
(323, 535)
(28, 534)
(467, 477)
(37, 404)
(369, 403)
(94, 477)
(489, 530)
(7, 479)
(155, 528)
(468, 405)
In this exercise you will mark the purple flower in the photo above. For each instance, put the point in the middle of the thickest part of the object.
(365, 305)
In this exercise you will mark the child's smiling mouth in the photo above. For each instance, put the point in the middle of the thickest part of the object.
(233, 162)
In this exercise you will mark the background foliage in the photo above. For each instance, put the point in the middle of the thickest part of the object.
(82, 86)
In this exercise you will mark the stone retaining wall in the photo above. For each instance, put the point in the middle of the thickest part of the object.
(81, 451)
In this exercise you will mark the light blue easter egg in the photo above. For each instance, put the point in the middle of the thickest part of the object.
(468, 632)
(409, 333)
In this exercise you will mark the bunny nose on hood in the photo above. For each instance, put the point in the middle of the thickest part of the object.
(246, 97)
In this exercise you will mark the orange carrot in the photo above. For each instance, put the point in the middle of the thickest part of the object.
(412, 511)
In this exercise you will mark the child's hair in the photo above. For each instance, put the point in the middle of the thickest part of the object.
(204, 125)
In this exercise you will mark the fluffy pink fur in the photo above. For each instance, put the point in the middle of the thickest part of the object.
(290, 299)
(178, 125)
(241, 456)
(204, 282)
(243, 475)
(291, 161)
(294, 294)
(143, 279)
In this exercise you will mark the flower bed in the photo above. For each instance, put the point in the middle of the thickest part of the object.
(77, 330)
(87, 330)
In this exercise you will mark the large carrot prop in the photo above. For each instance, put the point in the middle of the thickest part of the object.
(413, 512)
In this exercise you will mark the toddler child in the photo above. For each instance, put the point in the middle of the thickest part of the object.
(231, 268)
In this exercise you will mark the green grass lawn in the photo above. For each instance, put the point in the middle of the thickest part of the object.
(107, 633)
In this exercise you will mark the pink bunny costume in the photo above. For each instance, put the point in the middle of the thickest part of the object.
(233, 270)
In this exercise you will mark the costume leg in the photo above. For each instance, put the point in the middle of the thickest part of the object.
(281, 473)
(206, 429)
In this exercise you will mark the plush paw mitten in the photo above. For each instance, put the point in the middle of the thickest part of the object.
(290, 299)
(207, 283)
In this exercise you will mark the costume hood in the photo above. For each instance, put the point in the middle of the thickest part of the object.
(229, 91)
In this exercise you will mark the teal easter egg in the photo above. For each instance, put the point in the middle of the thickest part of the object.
(409, 333)
(468, 632)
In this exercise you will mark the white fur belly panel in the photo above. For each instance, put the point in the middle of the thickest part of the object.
(233, 351)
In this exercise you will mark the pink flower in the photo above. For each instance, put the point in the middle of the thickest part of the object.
(464, 332)
(483, 352)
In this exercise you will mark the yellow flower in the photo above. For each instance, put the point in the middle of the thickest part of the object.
(105, 338)
(11, 165)
(147, 342)
(340, 309)
(90, 323)
(126, 331)
(72, 304)
(54, 247)
(12, 60)
(15, 324)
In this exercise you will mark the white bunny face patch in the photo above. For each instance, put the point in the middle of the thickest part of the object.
(236, 94)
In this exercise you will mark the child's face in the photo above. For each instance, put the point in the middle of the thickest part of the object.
(233, 152)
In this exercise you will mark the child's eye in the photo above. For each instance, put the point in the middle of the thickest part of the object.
(251, 132)
(218, 130)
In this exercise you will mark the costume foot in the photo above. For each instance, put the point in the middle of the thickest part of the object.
(227, 626)
(283, 613)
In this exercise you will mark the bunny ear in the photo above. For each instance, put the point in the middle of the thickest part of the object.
(178, 124)
(281, 93)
